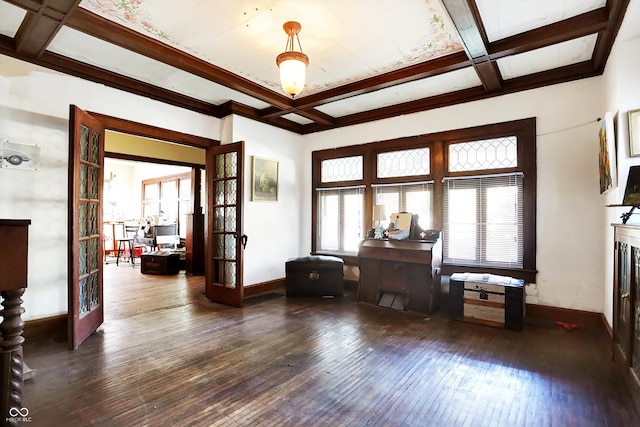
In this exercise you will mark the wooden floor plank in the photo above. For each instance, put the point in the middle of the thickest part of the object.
(166, 356)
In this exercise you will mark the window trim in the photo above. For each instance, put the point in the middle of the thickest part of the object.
(524, 130)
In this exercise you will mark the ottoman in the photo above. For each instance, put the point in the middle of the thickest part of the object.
(315, 276)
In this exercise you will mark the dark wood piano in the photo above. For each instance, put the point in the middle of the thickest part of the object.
(401, 274)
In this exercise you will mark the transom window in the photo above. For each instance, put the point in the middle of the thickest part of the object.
(342, 169)
(404, 163)
(477, 185)
(495, 153)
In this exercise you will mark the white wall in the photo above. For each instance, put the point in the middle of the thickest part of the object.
(273, 229)
(622, 82)
(570, 271)
(34, 109)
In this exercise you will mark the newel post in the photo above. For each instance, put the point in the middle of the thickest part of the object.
(14, 241)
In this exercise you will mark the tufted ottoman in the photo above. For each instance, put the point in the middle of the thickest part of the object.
(315, 275)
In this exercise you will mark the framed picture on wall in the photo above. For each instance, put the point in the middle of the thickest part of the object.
(264, 181)
(607, 156)
(634, 133)
(14, 155)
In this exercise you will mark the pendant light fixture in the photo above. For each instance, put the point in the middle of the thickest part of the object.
(292, 64)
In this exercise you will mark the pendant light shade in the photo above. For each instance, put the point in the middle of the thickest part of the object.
(293, 64)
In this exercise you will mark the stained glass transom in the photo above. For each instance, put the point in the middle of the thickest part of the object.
(342, 169)
(404, 163)
(485, 154)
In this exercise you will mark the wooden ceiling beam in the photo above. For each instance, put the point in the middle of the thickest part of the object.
(84, 71)
(41, 24)
(420, 71)
(578, 26)
(103, 29)
(616, 10)
(467, 22)
(555, 76)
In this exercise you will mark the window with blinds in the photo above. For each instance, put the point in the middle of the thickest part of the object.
(416, 198)
(340, 219)
(483, 220)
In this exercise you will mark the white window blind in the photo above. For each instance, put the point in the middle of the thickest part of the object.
(483, 220)
(416, 198)
(340, 219)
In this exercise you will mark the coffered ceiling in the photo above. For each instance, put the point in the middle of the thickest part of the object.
(369, 59)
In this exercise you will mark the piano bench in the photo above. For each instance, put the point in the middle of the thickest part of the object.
(315, 276)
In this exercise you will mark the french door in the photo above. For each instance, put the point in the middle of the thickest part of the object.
(85, 267)
(225, 241)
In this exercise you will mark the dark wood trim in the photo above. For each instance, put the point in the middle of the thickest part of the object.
(145, 159)
(41, 24)
(54, 326)
(264, 287)
(578, 26)
(582, 318)
(631, 381)
(119, 35)
(149, 131)
(616, 9)
(468, 23)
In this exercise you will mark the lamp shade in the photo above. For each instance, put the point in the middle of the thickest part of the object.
(293, 67)
(292, 64)
(379, 213)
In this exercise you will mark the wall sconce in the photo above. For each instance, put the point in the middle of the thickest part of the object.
(292, 64)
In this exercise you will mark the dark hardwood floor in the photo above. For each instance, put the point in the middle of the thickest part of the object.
(166, 356)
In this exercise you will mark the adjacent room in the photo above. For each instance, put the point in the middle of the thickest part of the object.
(337, 212)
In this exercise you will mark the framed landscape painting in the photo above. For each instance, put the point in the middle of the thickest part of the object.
(607, 156)
(264, 186)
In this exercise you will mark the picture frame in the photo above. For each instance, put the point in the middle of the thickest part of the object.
(264, 180)
(634, 132)
(607, 155)
(15, 155)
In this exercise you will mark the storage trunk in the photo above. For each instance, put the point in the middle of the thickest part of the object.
(315, 276)
(494, 304)
(160, 263)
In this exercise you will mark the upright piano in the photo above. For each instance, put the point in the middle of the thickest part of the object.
(401, 274)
